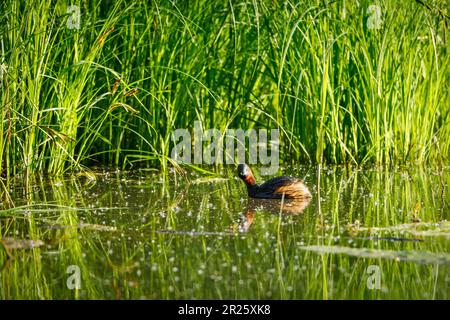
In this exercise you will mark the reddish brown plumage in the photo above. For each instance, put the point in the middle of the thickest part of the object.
(250, 180)
(294, 190)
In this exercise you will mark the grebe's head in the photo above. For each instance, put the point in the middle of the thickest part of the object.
(243, 171)
(246, 174)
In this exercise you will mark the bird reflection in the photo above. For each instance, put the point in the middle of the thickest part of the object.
(274, 206)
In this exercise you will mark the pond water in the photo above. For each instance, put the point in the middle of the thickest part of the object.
(365, 234)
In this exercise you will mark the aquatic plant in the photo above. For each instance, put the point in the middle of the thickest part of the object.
(345, 82)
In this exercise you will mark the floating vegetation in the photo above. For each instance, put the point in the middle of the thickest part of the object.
(409, 256)
(424, 229)
(95, 227)
(18, 244)
(209, 180)
(195, 233)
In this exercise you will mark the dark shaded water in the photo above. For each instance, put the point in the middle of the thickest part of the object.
(365, 234)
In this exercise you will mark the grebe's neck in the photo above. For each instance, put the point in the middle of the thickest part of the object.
(250, 180)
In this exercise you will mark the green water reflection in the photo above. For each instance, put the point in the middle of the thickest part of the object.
(372, 234)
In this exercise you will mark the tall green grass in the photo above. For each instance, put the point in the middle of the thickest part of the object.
(113, 91)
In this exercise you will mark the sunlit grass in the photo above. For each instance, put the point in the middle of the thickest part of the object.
(113, 91)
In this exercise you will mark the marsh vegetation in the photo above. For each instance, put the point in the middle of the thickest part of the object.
(339, 87)
(359, 91)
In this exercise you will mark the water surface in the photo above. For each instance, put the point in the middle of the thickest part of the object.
(366, 234)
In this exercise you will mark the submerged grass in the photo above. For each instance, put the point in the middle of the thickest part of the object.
(113, 91)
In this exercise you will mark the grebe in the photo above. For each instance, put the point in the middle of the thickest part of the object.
(292, 188)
